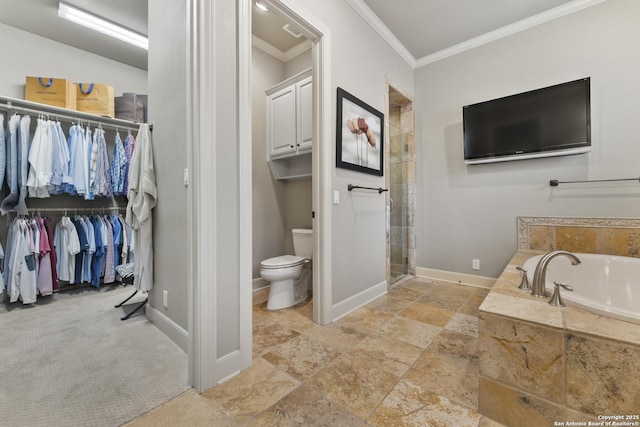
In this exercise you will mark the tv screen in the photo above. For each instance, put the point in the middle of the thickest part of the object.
(552, 121)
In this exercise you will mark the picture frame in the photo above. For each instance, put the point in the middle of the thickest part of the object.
(359, 135)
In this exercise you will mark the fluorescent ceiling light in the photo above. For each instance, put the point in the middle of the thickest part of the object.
(103, 26)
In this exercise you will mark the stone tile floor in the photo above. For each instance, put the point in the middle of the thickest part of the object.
(408, 358)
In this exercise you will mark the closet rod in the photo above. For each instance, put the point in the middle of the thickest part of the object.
(10, 104)
(555, 182)
(102, 208)
(71, 210)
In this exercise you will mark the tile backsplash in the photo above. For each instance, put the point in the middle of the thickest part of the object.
(611, 236)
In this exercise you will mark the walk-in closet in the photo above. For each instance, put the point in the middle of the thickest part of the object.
(92, 330)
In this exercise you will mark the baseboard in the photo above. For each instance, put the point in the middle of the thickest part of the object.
(356, 301)
(451, 276)
(228, 366)
(168, 327)
(259, 283)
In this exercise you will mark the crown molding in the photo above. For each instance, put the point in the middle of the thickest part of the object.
(376, 23)
(297, 50)
(267, 48)
(516, 27)
(270, 49)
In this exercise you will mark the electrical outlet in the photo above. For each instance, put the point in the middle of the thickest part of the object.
(165, 299)
(475, 264)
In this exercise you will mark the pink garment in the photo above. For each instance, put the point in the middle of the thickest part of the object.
(45, 276)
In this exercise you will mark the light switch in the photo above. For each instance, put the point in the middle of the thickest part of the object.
(336, 197)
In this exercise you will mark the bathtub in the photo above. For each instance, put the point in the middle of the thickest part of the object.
(603, 284)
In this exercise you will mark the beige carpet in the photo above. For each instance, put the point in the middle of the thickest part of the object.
(70, 361)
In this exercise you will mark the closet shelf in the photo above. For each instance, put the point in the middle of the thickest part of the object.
(14, 104)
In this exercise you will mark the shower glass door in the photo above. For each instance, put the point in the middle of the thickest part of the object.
(398, 207)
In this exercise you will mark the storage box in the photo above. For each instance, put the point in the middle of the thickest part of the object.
(131, 106)
(95, 98)
(50, 91)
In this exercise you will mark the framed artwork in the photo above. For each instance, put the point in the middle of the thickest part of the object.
(359, 135)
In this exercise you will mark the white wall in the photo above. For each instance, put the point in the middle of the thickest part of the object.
(358, 234)
(25, 54)
(467, 212)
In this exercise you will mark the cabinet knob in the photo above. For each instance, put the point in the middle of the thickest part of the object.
(291, 146)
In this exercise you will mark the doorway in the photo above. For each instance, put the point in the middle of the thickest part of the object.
(401, 182)
(318, 34)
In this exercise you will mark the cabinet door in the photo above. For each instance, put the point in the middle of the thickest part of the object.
(281, 122)
(304, 89)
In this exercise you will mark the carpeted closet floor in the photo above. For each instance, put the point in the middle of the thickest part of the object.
(70, 361)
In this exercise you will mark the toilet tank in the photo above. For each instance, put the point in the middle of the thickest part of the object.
(303, 242)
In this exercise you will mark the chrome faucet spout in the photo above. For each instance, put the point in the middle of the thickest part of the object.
(540, 274)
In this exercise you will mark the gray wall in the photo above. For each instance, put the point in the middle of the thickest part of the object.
(278, 206)
(467, 212)
(297, 204)
(167, 112)
(298, 64)
(358, 234)
(267, 193)
(25, 54)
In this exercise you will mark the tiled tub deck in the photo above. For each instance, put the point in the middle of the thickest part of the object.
(541, 364)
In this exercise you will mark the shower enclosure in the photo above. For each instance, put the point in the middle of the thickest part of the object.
(401, 183)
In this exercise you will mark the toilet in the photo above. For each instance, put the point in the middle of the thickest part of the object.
(290, 275)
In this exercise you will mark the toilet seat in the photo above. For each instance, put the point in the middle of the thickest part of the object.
(283, 261)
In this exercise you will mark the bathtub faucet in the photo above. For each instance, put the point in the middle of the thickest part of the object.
(540, 274)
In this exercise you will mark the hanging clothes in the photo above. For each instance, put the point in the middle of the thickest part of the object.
(117, 239)
(59, 159)
(40, 161)
(11, 200)
(78, 178)
(129, 146)
(87, 152)
(118, 167)
(20, 269)
(87, 260)
(126, 232)
(67, 245)
(23, 164)
(142, 199)
(110, 256)
(45, 275)
(53, 258)
(96, 266)
(104, 177)
(3, 151)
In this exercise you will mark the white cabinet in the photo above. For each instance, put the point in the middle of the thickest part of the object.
(304, 116)
(281, 122)
(290, 127)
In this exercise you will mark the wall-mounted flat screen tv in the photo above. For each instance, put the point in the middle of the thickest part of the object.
(552, 121)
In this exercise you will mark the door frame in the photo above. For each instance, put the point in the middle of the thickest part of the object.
(320, 37)
(206, 369)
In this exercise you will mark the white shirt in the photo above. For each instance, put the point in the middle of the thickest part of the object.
(67, 244)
